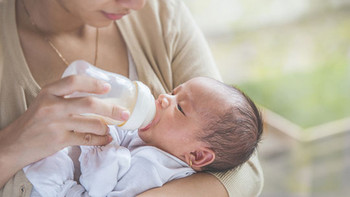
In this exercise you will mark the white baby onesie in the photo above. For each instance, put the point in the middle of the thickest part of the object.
(125, 167)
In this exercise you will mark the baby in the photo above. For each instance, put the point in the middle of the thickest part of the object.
(203, 125)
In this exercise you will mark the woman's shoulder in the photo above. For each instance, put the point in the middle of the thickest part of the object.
(164, 6)
(3, 4)
(2, 19)
(159, 11)
(158, 21)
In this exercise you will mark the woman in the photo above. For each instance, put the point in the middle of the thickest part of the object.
(158, 44)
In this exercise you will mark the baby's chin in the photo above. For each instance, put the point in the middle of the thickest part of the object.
(144, 135)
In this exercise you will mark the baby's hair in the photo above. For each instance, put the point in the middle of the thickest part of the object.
(233, 134)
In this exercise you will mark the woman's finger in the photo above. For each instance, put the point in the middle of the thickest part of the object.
(88, 139)
(82, 105)
(77, 83)
(86, 124)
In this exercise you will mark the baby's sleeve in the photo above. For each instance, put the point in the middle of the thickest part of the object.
(53, 175)
(102, 167)
(150, 168)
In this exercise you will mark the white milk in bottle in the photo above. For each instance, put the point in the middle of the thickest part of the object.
(132, 95)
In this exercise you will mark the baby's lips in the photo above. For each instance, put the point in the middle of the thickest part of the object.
(146, 127)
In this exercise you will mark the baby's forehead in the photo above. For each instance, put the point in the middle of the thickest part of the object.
(208, 95)
(206, 91)
(211, 107)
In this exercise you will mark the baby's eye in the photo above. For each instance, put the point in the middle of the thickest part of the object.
(180, 109)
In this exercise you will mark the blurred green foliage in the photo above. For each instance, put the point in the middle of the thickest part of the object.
(302, 71)
(307, 99)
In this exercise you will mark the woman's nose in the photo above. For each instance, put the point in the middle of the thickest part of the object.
(164, 100)
(132, 4)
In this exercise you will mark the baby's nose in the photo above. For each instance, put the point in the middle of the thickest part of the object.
(164, 100)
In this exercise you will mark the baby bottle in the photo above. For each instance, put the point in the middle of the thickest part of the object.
(132, 95)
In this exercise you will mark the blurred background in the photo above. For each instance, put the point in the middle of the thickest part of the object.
(292, 57)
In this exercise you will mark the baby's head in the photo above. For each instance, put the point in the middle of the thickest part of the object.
(207, 124)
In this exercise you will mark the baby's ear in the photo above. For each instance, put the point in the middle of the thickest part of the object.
(202, 157)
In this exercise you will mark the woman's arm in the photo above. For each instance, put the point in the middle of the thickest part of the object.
(53, 122)
(200, 184)
(7, 161)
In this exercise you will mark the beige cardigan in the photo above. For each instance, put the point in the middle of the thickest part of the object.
(167, 48)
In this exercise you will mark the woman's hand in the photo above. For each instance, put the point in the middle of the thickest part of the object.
(53, 122)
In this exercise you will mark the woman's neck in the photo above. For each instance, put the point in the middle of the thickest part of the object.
(50, 17)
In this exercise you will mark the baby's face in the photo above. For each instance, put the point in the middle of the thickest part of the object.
(178, 122)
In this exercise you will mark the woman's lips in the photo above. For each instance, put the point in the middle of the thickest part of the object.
(112, 16)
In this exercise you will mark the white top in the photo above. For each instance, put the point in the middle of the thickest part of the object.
(125, 167)
(132, 68)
